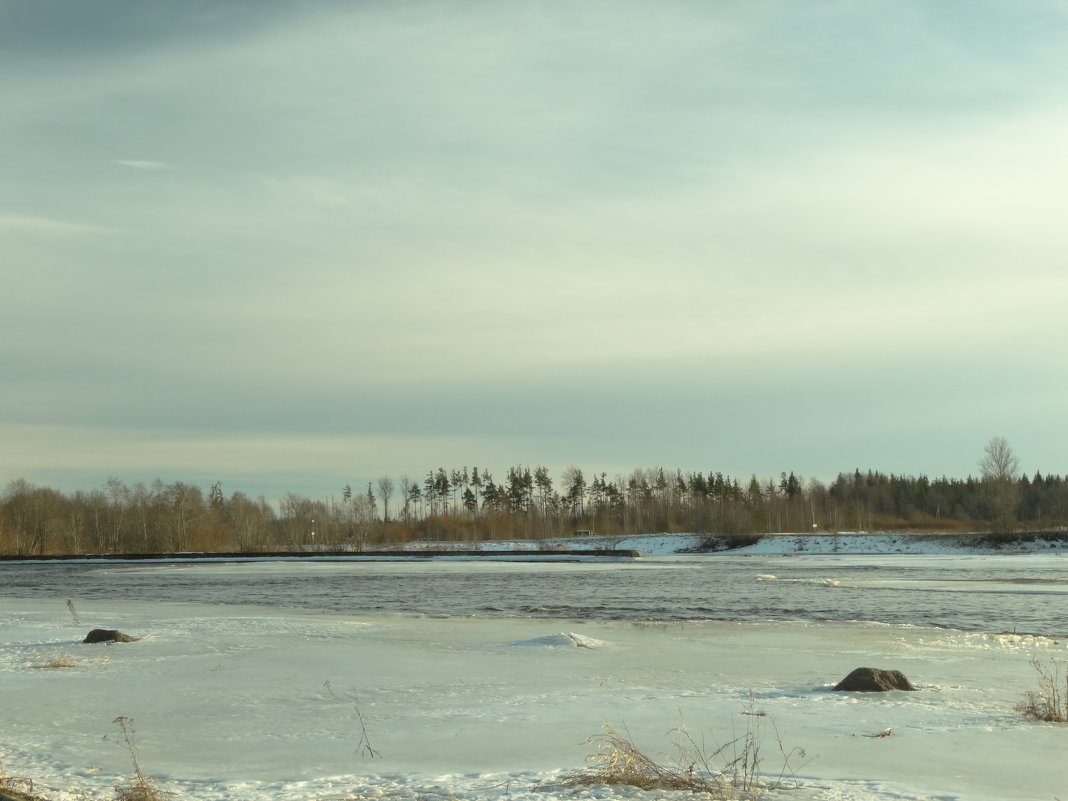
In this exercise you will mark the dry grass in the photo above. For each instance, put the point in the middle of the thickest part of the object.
(1049, 703)
(60, 659)
(728, 771)
(133, 791)
(138, 787)
(618, 761)
(17, 787)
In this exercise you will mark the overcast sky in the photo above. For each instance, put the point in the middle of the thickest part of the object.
(295, 245)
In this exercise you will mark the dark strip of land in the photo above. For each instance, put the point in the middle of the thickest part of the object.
(548, 555)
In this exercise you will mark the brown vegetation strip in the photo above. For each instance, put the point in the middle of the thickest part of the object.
(10, 794)
(252, 556)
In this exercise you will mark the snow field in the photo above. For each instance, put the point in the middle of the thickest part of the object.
(250, 704)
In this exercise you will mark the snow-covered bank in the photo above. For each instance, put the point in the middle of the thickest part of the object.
(770, 544)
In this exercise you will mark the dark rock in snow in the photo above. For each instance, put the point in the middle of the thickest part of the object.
(108, 635)
(874, 680)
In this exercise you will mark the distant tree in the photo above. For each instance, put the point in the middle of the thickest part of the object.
(661, 484)
(215, 496)
(458, 480)
(698, 486)
(491, 496)
(28, 510)
(296, 520)
(430, 492)
(406, 508)
(544, 484)
(414, 495)
(754, 494)
(999, 462)
(575, 490)
(371, 505)
(361, 523)
(789, 485)
(476, 482)
(470, 501)
(250, 521)
(519, 489)
(999, 466)
(187, 507)
(385, 492)
(442, 486)
(216, 531)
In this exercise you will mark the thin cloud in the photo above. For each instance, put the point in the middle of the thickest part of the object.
(699, 235)
(143, 164)
(33, 224)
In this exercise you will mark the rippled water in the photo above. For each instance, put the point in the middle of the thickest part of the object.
(1022, 593)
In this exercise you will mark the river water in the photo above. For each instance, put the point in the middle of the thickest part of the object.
(1026, 594)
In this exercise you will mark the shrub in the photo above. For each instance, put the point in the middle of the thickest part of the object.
(1049, 703)
(726, 542)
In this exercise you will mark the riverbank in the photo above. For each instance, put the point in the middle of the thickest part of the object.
(770, 544)
(584, 548)
(518, 554)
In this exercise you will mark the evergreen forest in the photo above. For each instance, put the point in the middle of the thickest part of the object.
(474, 504)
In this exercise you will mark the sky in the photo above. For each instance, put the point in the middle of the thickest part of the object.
(291, 246)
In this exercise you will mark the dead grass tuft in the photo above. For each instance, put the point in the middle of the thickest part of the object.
(60, 659)
(618, 761)
(728, 771)
(17, 787)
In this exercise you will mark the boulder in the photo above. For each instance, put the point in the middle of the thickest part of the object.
(874, 680)
(108, 635)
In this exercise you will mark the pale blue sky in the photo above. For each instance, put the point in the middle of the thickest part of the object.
(291, 246)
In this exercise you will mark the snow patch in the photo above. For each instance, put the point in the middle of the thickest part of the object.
(564, 639)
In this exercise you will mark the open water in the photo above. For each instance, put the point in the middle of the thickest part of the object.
(1026, 594)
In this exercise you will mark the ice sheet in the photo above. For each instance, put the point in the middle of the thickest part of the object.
(253, 704)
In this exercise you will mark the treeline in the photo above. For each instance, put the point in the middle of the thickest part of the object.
(470, 505)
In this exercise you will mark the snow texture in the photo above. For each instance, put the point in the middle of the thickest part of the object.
(254, 704)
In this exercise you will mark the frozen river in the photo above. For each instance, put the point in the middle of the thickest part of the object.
(1025, 593)
(481, 681)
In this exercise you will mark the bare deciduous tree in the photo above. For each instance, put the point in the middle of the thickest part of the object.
(385, 492)
(999, 465)
(999, 462)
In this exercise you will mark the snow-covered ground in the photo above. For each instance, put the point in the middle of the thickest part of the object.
(251, 704)
(842, 543)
